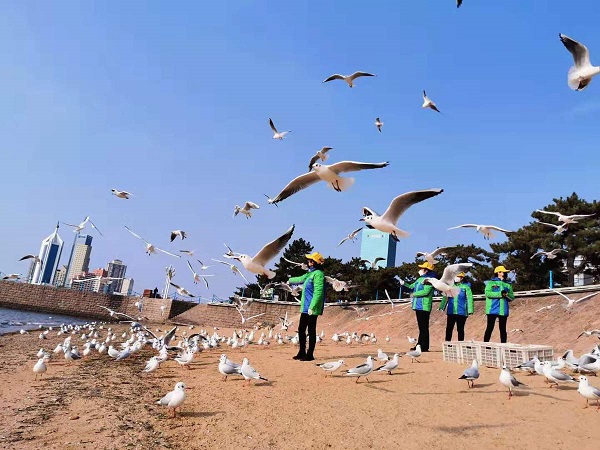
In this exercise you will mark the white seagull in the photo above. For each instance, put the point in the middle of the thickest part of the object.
(555, 376)
(175, 398)
(387, 221)
(348, 78)
(197, 277)
(588, 391)
(182, 234)
(187, 252)
(430, 257)
(471, 374)
(249, 373)
(227, 367)
(81, 226)
(445, 284)
(414, 354)
(549, 255)
(12, 276)
(121, 194)
(508, 380)
(389, 365)
(428, 103)
(373, 263)
(580, 75)
(328, 173)
(566, 219)
(277, 134)
(483, 229)
(257, 263)
(571, 302)
(233, 268)
(246, 319)
(150, 248)
(330, 367)
(302, 265)
(40, 366)
(351, 237)
(34, 257)
(558, 229)
(321, 154)
(364, 370)
(182, 291)
(246, 210)
(378, 124)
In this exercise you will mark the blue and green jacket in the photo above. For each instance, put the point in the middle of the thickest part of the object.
(313, 291)
(494, 302)
(422, 293)
(462, 305)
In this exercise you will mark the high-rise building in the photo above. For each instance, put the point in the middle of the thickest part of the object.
(116, 269)
(86, 281)
(377, 244)
(49, 255)
(127, 286)
(81, 256)
(60, 276)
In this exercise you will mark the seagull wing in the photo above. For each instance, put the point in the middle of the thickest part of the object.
(556, 251)
(538, 254)
(95, 227)
(222, 262)
(136, 235)
(190, 266)
(439, 251)
(563, 296)
(205, 282)
(237, 270)
(291, 262)
(343, 240)
(336, 76)
(271, 250)
(580, 216)
(297, 184)
(581, 55)
(27, 257)
(549, 224)
(452, 270)
(582, 299)
(251, 205)
(493, 227)
(379, 258)
(164, 251)
(466, 225)
(547, 212)
(175, 286)
(405, 201)
(355, 75)
(313, 160)
(272, 125)
(355, 232)
(354, 166)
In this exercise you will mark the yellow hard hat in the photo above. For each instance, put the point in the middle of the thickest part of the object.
(426, 265)
(501, 269)
(316, 257)
(462, 275)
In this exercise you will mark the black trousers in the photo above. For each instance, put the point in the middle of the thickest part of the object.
(423, 323)
(460, 326)
(310, 323)
(491, 321)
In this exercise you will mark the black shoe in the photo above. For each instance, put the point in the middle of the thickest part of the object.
(308, 358)
(299, 356)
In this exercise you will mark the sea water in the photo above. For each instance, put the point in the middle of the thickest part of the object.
(12, 320)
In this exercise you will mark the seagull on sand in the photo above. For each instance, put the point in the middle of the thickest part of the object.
(555, 376)
(257, 263)
(328, 173)
(40, 366)
(378, 124)
(446, 283)
(227, 367)
(364, 370)
(249, 373)
(566, 219)
(509, 381)
(389, 365)
(150, 248)
(233, 268)
(34, 257)
(330, 367)
(152, 365)
(387, 221)
(246, 210)
(197, 277)
(483, 229)
(414, 354)
(430, 257)
(571, 302)
(471, 374)
(580, 75)
(348, 78)
(277, 134)
(121, 194)
(411, 340)
(549, 255)
(588, 391)
(182, 234)
(182, 291)
(351, 237)
(321, 154)
(428, 103)
(558, 229)
(175, 398)
(382, 356)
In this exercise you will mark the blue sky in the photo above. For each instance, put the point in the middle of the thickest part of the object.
(171, 101)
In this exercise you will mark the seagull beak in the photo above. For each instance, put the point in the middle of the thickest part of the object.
(361, 220)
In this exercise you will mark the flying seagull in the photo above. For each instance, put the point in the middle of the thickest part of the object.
(246, 210)
(549, 255)
(572, 302)
(121, 194)
(12, 276)
(566, 219)
(233, 268)
(348, 78)
(321, 154)
(483, 229)
(34, 257)
(387, 221)
(198, 277)
(257, 263)
(277, 134)
(558, 229)
(328, 173)
(351, 236)
(302, 265)
(430, 257)
(378, 124)
(428, 103)
(150, 248)
(182, 291)
(373, 263)
(580, 75)
(81, 226)
(445, 284)
(182, 234)
(188, 252)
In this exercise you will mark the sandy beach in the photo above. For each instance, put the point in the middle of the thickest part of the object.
(102, 404)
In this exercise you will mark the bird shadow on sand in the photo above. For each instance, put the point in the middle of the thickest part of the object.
(467, 428)
(372, 385)
(264, 383)
(200, 413)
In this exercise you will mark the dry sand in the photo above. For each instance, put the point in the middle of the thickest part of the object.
(97, 403)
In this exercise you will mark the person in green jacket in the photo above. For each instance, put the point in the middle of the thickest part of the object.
(311, 304)
(498, 294)
(422, 297)
(459, 308)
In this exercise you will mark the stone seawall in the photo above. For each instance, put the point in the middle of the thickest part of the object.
(50, 299)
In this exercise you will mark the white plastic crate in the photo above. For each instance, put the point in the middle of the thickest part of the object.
(491, 354)
(469, 351)
(514, 354)
(451, 352)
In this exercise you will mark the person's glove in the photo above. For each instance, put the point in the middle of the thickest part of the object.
(310, 312)
(504, 293)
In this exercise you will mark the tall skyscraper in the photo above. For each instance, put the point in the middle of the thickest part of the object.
(61, 274)
(81, 256)
(127, 287)
(377, 244)
(116, 269)
(49, 255)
